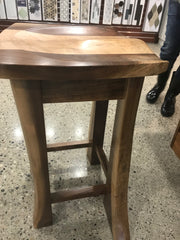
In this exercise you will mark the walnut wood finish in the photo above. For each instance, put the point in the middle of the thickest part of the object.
(68, 145)
(60, 91)
(42, 52)
(102, 158)
(116, 203)
(130, 31)
(53, 63)
(27, 95)
(175, 144)
(97, 128)
(67, 195)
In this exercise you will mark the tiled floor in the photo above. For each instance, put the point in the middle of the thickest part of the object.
(154, 186)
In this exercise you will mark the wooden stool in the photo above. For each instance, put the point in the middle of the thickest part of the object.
(175, 143)
(61, 63)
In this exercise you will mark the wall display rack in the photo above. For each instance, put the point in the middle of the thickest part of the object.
(133, 18)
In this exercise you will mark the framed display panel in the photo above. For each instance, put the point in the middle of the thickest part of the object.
(138, 12)
(64, 10)
(118, 12)
(75, 11)
(153, 15)
(128, 12)
(108, 10)
(22, 8)
(2, 10)
(50, 12)
(95, 11)
(35, 10)
(85, 11)
(11, 9)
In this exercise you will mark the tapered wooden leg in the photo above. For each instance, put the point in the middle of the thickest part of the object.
(27, 95)
(116, 202)
(97, 128)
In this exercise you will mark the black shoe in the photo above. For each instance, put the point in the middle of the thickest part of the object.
(154, 93)
(168, 106)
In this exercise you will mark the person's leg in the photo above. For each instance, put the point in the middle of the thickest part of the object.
(174, 86)
(168, 106)
(169, 51)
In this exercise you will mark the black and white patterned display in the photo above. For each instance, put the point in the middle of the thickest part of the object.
(128, 12)
(138, 12)
(113, 12)
(34, 7)
(118, 11)
(153, 15)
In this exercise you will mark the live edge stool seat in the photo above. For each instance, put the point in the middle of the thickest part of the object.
(50, 63)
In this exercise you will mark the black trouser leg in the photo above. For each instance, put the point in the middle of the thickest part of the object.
(168, 106)
(162, 78)
(174, 86)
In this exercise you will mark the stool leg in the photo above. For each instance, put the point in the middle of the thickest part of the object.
(116, 202)
(97, 128)
(27, 95)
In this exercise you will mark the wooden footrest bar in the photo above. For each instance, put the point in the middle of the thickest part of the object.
(68, 145)
(72, 194)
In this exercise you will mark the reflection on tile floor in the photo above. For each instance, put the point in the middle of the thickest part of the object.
(154, 189)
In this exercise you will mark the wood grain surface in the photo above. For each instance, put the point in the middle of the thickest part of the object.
(27, 96)
(175, 144)
(68, 52)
